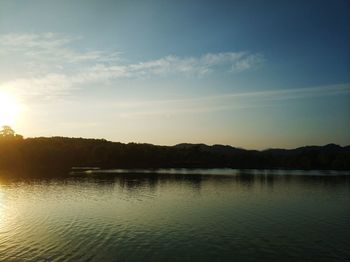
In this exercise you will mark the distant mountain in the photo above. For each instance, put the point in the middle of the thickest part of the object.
(224, 149)
(64, 153)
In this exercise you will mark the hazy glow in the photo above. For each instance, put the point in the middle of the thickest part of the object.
(9, 109)
(149, 77)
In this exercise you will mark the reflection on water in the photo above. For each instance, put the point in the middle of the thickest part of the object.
(157, 216)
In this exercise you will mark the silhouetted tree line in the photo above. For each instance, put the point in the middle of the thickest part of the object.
(64, 153)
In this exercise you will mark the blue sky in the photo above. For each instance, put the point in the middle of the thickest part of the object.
(253, 74)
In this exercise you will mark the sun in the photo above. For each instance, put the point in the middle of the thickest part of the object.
(9, 109)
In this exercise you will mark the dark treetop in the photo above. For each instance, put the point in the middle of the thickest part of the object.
(64, 153)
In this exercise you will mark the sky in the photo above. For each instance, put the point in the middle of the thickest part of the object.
(252, 74)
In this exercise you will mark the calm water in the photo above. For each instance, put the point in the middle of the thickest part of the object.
(176, 215)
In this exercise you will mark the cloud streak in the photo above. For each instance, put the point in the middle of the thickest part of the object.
(59, 69)
(276, 94)
(173, 65)
(230, 101)
(50, 47)
(55, 67)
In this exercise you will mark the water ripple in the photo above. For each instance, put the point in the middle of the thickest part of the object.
(177, 217)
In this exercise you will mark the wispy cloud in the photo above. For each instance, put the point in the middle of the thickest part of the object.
(172, 65)
(40, 41)
(40, 88)
(60, 69)
(276, 94)
(229, 101)
(50, 47)
(55, 67)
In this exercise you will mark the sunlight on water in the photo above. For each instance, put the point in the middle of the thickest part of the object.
(177, 217)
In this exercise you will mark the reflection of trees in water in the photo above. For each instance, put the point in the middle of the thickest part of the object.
(266, 180)
(330, 183)
(244, 180)
(249, 181)
(194, 181)
(133, 182)
(150, 182)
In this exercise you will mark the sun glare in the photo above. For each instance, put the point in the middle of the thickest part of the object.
(9, 109)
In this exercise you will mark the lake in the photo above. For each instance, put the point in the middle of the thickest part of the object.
(176, 215)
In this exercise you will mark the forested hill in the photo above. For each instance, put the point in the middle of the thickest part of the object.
(64, 153)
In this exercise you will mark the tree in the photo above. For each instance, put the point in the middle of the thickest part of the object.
(8, 132)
